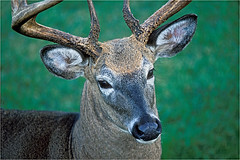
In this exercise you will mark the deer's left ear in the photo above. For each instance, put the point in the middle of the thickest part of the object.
(171, 38)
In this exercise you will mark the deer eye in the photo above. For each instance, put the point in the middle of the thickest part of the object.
(104, 84)
(150, 74)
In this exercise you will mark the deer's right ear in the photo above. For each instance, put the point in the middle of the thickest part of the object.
(64, 62)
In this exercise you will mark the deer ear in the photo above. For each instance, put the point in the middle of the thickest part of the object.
(171, 38)
(64, 62)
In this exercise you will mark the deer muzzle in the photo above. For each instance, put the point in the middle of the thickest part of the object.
(146, 129)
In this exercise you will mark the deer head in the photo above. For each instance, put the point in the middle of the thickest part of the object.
(119, 71)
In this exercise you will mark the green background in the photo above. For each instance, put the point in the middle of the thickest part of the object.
(197, 91)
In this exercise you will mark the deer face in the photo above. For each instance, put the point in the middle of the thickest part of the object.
(126, 84)
(123, 74)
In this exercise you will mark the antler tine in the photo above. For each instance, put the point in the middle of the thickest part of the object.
(130, 20)
(21, 11)
(160, 16)
(95, 27)
(23, 21)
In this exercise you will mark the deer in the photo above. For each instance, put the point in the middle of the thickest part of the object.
(118, 116)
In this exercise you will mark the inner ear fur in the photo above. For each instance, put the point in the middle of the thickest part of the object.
(173, 37)
(64, 62)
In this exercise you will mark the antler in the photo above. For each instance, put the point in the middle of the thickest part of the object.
(23, 21)
(143, 31)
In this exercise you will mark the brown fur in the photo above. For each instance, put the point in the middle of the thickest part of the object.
(124, 58)
(36, 135)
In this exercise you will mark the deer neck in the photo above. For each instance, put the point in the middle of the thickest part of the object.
(95, 135)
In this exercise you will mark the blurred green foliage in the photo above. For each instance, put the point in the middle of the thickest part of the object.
(197, 91)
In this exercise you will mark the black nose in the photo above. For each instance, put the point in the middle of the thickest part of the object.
(147, 130)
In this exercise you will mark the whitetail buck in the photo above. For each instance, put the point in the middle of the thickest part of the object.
(118, 115)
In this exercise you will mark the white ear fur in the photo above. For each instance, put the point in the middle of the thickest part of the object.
(170, 39)
(64, 62)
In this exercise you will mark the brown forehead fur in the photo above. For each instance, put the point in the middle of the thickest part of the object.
(124, 55)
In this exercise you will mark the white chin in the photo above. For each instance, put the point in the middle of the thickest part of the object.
(147, 142)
